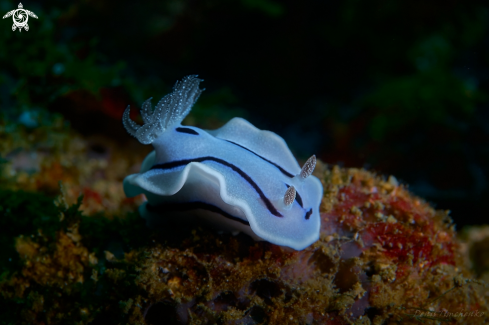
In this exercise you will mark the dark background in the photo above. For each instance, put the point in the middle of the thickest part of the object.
(399, 86)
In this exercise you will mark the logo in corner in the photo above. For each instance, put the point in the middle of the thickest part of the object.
(20, 17)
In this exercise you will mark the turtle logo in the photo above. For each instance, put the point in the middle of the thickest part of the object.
(20, 17)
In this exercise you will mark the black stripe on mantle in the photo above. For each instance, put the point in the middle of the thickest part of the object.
(308, 214)
(188, 206)
(183, 162)
(286, 173)
(187, 130)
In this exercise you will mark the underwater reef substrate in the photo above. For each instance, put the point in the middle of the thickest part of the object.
(384, 257)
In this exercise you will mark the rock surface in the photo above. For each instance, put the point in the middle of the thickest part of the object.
(384, 255)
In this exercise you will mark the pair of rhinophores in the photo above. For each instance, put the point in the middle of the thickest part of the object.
(238, 178)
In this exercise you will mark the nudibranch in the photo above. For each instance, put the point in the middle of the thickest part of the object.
(237, 178)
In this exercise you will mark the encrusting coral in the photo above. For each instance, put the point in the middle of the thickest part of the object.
(384, 257)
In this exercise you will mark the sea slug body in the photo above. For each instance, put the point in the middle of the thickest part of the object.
(237, 178)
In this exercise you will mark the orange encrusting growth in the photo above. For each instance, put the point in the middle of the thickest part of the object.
(383, 256)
